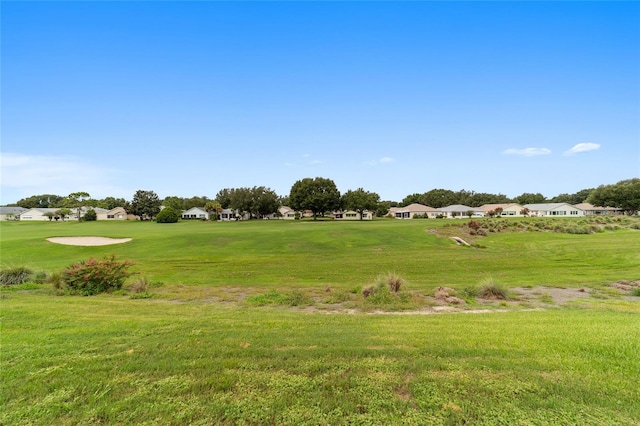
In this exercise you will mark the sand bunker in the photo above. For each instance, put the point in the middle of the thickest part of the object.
(88, 241)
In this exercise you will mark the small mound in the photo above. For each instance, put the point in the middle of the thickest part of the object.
(87, 241)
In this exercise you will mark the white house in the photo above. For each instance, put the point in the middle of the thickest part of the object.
(554, 210)
(413, 210)
(195, 213)
(460, 211)
(11, 213)
(41, 213)
(353, 215)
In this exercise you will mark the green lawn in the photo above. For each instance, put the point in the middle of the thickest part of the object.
(107, 360)
(337, 254)
(184, 356)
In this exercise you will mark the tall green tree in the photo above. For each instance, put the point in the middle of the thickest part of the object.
(360, 200)
(76, 200)
(438, 198)
(318, 195)
(145, 204)
(529, 198)
(624, 195)
(264, 201)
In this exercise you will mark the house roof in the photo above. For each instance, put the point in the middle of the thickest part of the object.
(504, 206)
(12, 210)
(415, 207)
(195, 209)
(458, 208)
(589, 206)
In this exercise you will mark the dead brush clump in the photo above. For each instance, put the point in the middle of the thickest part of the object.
(491, 290)
(139, 285)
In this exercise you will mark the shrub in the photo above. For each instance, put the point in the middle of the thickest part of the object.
(92, 276)
(90, 216)
(167, 215)
(15, 275)
(393, 281)
(635, 291)
(492, 290)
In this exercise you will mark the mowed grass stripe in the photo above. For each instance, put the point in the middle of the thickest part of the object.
(336, 254)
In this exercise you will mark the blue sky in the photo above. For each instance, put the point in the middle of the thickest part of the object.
(187, 98)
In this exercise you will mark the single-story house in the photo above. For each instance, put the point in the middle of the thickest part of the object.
(230, 214)
(42, 213)
(554, 210)
(591, 210)
(287, 213)
(508, 209)
(117, 213)
(195, 213)
(353, 215)
(11, 213)
(460, 211)
(413, 210)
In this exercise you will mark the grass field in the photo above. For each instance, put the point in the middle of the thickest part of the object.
(184, 357)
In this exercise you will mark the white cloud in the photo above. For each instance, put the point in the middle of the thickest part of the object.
(582, 147)
(26, 175)
(383, 160)
(528, 152)
(315, 162)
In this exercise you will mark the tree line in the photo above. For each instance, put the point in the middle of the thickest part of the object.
(320, 195)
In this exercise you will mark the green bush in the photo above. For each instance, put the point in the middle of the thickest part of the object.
(97, 276)
(90, 216)
(167, 215)
(15, 275)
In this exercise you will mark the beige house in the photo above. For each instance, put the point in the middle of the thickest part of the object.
(508, 209)
(117, 213)
(413, 210)
(591, 210)
(287, 213)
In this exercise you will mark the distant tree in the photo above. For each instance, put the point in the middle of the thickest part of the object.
(62, 213)
(577, 198)
(525, 212)
(111, 203)
(167, 215)
(481, 198)
(41, 201)
(528, 198)
(623, 195)
(469, 213)
(50, 215)
(145, 204)
(192, 202)
(76, 200)
(90, 215)
(264, 201)
(411, 199)
(360, 200)
(383, 208)
(499, 211)
(174, 202)
(224, 198)
(213, 207)
(438, 198)
(318, 195)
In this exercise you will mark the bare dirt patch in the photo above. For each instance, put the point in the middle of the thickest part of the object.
(87, 241)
